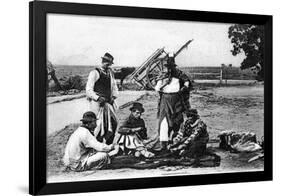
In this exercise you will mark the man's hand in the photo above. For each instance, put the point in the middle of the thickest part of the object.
(101, 101)
(112, 100)
(182, 152)
(114, 151)
(115, 146)
(181, 147)
(184, 89)
(111, 146)
(173, 150)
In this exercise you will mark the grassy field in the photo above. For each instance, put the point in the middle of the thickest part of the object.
(209, 73)
(234, 73)
(68, 75)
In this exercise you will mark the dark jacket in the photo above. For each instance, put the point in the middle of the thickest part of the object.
(132, 122)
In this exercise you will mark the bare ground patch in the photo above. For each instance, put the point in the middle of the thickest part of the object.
(237, 108)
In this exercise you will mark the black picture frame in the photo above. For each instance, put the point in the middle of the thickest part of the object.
(37, 101)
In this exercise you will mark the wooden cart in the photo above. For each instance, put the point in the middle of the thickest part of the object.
(146, 74)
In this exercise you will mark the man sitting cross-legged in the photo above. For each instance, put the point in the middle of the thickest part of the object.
(192, 138)
(83, 151)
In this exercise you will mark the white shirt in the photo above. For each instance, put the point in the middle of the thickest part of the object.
(77, 144)
(172, 87)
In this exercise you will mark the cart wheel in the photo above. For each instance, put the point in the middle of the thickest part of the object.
(152, 73)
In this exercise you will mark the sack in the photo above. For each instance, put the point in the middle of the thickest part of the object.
(238, 142)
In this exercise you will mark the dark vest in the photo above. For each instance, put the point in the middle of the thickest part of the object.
(103, 85)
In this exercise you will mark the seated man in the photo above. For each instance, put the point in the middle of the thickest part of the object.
(83, 151)
(192, 138)
(133, 133)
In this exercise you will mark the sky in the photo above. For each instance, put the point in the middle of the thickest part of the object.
(83, 40)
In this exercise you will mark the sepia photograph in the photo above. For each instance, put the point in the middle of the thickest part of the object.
(135, 98)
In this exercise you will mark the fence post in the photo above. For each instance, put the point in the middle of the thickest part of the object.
(221, 76)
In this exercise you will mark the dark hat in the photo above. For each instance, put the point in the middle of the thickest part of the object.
(170, 61)
(191, 113)
(137, 106)
(89, 117)
(107, 58)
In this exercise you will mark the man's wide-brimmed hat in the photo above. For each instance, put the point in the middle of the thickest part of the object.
(191, 113)
(137, 106)
(107, 58)
(89, 117)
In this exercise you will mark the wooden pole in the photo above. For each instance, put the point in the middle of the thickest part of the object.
(221, 76)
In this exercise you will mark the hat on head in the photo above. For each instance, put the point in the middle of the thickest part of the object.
(88, 117)
(137, 106)
(192, 112)
(170, 60)
(107, 58)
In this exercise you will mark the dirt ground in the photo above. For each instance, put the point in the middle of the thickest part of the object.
(237, 108)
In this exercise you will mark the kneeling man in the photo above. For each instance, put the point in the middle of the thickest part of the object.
(83, 151)
(192, 138)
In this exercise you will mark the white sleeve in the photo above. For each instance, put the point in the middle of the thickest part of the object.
(114, 85)
(92, 78)
(158, 85)
(90, 141)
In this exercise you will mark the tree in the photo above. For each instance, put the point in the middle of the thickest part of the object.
(249, 39)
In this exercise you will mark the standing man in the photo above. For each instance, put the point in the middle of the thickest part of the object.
(83, 151)
(101, 91)
(173, 87)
